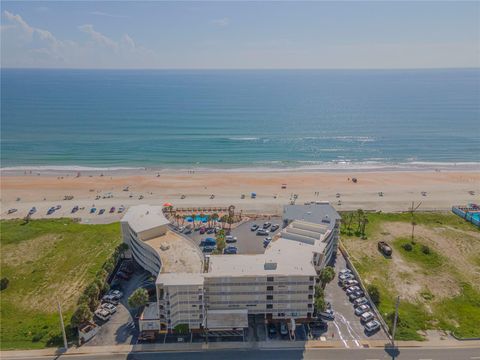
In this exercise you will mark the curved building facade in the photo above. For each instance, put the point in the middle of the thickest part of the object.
(141, 226)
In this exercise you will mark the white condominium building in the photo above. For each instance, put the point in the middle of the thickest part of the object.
(278, 284)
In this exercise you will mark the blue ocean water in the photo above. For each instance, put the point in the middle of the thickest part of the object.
(229, 119)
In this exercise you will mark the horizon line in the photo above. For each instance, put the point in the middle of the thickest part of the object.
(239, 69)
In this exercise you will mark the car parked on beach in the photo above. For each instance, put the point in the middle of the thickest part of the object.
(101, 211)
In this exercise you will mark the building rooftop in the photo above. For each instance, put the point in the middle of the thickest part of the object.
(179, 279)
(318, 213)
(289, 258)
(150, 312)
(145, 217)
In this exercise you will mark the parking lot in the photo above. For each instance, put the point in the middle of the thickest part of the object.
(247, 241)
(347, 325)
(121, 327)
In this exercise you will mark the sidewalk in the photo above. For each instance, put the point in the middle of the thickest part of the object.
(311, 344)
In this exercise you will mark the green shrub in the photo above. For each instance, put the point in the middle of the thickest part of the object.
(181, 329)
(425, 250)
(374, 294)
(4, 283)
(407, 247)
(37, 337)
(81, 315)
(138, 298)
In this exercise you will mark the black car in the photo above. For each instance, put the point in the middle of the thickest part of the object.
(261, 232)
(274, 227)
(254, 227)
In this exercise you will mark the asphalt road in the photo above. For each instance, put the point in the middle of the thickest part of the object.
(280, 354)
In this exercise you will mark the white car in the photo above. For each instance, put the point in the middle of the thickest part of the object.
(352, 289)
(102, 314)
(117, 294)
(112, 309)
(372, 326)
(346, 276)
(360, 301)
(344, 271)
(361, 309)
(349, 283)
(367, 317)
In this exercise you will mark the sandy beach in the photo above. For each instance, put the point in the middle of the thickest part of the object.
(105, 190)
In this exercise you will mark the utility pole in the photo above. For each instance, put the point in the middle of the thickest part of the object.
(395, 321)
(65, 345)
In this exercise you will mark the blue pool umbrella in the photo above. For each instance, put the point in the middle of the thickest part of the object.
(210, 239)
(189, 219)
(254, 194)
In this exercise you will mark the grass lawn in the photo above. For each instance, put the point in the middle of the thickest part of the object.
(437, 279)
(46, 261)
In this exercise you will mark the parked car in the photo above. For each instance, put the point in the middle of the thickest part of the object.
(355, 295)
(318, 325)
(210, 230)
(360, 301)
(267, 225)
(344, 271)
(283, 329)
(110, 299)
(372, 326)
(209, 249)
(367, 317)
(352, 289)
(230, 250)
(361, 309)
(112, 309)
(349, 283)
(230, 239)
(11, 211)
(112, 209)
(272, 330)
(261, 232)
(384, 248)
(102, 314)
(181, 229)
(117, 294)
(274, 227)
(208, 242)
(202, 230)
(101, 211)
(347, 276)
(328, 314)
(92, 210)
(254, 227)
(51, 211)
(188, 230)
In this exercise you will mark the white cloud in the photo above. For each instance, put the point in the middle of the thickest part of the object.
(24, 45)
(98, 37)
(221, 22)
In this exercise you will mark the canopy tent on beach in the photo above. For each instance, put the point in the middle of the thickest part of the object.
(167, 204)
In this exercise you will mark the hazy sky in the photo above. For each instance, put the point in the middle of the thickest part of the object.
(240, 34)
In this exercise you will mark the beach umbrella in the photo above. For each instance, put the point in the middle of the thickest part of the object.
(167, 204)
(189, 219)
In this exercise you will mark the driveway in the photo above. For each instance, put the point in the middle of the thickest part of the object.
(121, 327)
(347, 325)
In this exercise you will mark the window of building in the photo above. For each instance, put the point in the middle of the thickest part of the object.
(270, 278)
(269, 306)
(311, 278)
(310, 296)
(269, 297)
(270, 288)
(310, 287)
(309, 305)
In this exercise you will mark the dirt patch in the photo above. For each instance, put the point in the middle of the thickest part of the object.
(456, 245)
(29, 250)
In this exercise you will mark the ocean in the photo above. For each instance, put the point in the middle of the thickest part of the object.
(238, 119)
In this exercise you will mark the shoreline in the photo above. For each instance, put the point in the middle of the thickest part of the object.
(339, 167)
(374, 190)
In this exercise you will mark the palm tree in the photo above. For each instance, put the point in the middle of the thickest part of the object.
(326, 275)
(193, 215)
(360, 216)
(364, 224)
(214, 218)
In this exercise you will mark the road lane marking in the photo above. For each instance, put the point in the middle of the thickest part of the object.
(350, 330)
(340, 334)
